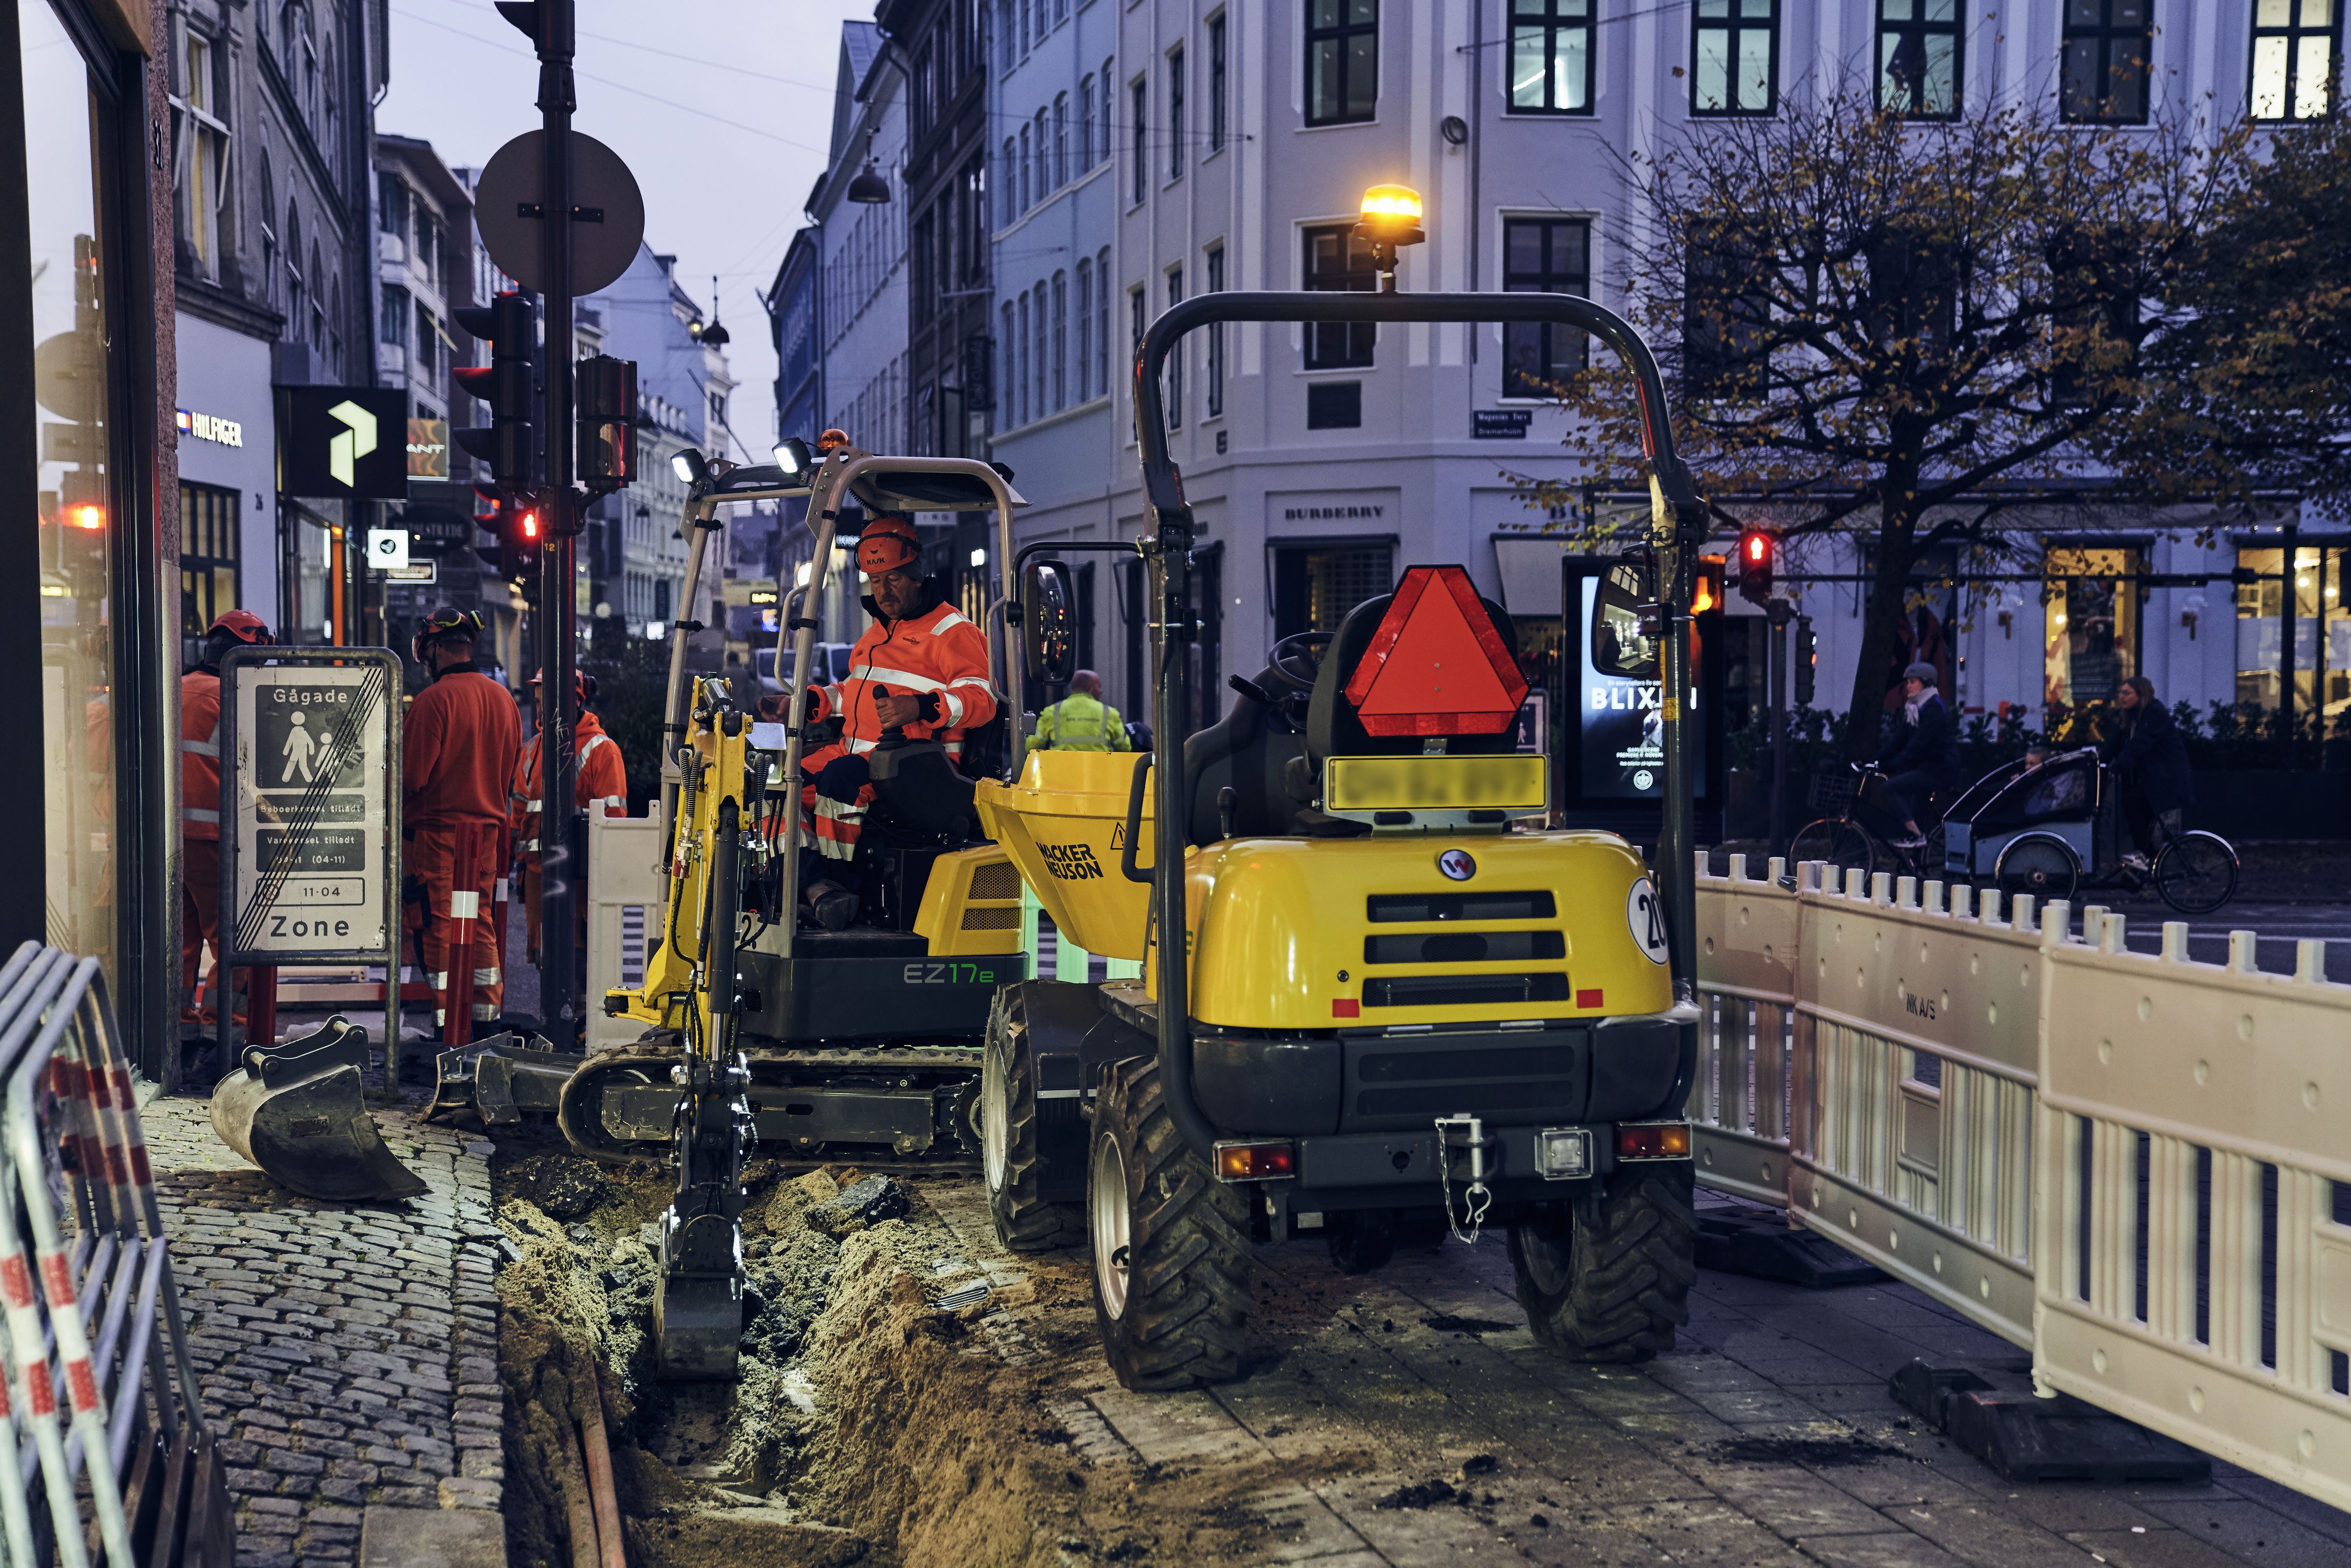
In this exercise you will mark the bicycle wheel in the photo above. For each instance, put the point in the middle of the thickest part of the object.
(2196, 872)
(2041, 864)
(1838, 841)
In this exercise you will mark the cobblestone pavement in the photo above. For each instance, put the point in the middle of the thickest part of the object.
(1767, 1436)
(347, 1354)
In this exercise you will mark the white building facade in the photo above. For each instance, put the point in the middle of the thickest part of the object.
(1231, 150)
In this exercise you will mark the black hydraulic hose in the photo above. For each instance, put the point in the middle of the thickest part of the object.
(726, 905)
(1678, 528)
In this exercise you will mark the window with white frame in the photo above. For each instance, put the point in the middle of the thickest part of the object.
(1216, 392)
(1085, 124)
(1175, 354)
(1060, 139)
(1335, 256)
(1175, 112)
(2294, 58)
(1141, 97)
(1551, 56)
(1085, 327)
(1217, 65)
(1061, 341)
(201, 172)
(1734, 56)
(1342, 61)
(1543, 255)
(2103, 68)
(1920, 54)
(1101, 321)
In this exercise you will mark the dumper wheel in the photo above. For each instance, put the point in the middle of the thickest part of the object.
(1617, 1290)
(1025, 1221)
(1170, 1243)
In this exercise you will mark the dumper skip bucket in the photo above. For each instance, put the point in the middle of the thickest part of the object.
(297, 1111)
(1065, 825)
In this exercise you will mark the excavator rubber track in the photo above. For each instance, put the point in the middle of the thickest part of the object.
(914, 1105)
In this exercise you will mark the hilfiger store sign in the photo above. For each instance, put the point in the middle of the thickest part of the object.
(212, 427)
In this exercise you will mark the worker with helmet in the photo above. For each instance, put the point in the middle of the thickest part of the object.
(200, 799)
(919, 672)
(458, 752)
(600, 774)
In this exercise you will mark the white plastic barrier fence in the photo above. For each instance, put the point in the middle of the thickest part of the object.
(1738, 1100)
(119, 1458)
(624, 913)
(2194, 1264)
(2134, 1166)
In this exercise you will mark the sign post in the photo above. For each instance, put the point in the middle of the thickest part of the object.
(311, 812)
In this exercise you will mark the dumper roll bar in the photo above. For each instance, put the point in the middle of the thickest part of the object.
(1677, 527)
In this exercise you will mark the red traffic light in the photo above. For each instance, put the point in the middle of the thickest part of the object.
(475, 378)
(1759, 551)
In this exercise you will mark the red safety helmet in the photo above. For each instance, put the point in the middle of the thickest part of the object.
(888, 544)
(242, 624)
(581, 681)
(443, 623)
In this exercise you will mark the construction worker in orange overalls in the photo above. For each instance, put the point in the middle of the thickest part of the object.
(457, 765)
(200, 796)
(602, 774)
(919, 672)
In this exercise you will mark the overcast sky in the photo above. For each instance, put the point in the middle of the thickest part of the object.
(722, 117)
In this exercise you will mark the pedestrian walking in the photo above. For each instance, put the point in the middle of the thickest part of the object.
(1082, 721)
(199, 794)
(458, 753)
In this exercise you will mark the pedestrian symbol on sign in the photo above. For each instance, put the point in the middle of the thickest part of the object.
(298, 744)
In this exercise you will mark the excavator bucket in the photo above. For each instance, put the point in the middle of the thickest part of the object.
(296, 1109)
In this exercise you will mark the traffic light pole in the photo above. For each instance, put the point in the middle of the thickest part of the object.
(1781, 612)
(560, 1001)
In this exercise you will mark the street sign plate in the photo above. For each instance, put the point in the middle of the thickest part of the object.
(310, 804)
(387, 549)
(1500, 424)
(608, 211)
(415, 571)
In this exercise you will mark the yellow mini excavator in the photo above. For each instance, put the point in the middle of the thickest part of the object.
(1395, 994)
(760, 1029)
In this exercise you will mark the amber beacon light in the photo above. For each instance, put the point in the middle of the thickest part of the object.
(1390, 218)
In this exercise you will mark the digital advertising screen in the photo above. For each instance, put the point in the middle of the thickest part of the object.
(1611, 733)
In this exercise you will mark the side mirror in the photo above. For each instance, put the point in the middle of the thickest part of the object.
(1624, 633)
(1049, 624)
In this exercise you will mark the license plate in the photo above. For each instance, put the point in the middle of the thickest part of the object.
(1563, 1153)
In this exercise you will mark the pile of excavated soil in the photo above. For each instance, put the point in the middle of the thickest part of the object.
(874, 1421)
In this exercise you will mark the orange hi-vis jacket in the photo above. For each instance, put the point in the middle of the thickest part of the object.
(458, 752)
(938, 651)
(200, 776)
(603, 773)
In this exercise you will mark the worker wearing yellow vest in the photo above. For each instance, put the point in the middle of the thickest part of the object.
(602, 775)
(1082, 721)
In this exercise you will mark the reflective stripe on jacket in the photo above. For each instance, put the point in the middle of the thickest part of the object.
(603, 774)
(200, 775)
(938, 651)
(1081, 723)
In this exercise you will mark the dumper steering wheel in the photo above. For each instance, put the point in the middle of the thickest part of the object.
(1297, 659)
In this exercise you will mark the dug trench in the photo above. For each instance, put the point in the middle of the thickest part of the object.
(909, 1394)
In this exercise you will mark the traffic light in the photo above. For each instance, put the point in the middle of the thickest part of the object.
(1806, 656)
(1706, 593)
(508, 383)
(1759, 551)
(604, 393)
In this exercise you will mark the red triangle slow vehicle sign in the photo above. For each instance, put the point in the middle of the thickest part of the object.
(1437, 665)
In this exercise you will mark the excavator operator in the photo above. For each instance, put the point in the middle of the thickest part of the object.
(919, 674)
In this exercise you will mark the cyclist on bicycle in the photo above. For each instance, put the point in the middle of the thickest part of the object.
(2151, 759)
(1928, 758)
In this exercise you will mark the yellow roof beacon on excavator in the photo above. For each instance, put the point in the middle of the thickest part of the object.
(1396, 996)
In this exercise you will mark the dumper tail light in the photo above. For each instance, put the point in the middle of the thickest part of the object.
(1275, 1160)
(1653, 1140)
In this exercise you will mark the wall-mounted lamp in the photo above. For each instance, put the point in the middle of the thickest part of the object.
(2191, 608)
